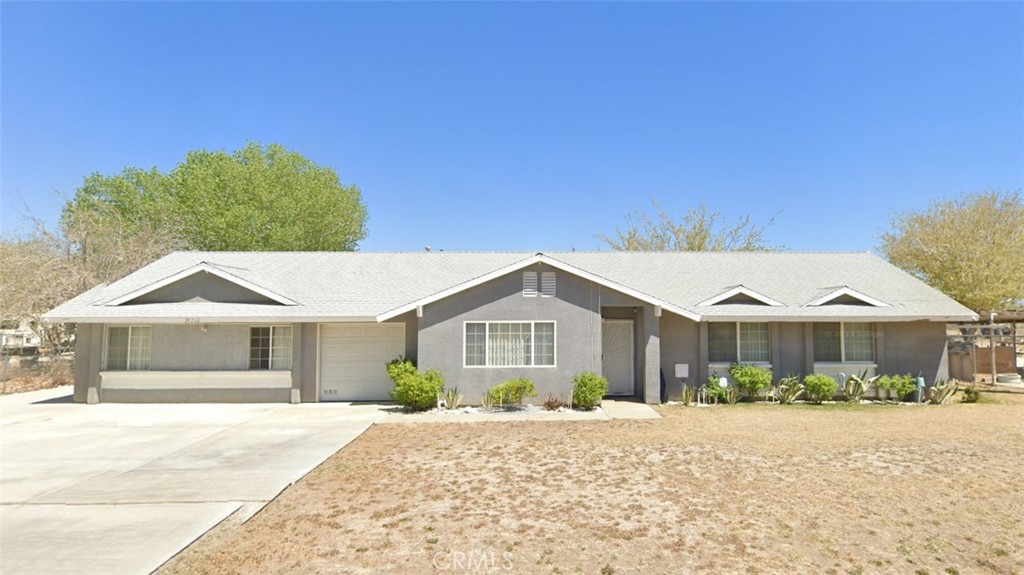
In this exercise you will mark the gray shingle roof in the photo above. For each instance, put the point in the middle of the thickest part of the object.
(364, 285)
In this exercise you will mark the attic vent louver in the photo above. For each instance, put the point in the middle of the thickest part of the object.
(547, 284)
(529, 284)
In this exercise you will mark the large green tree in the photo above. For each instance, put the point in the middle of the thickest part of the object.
(699, 230)
(256, 199)
(971, 248)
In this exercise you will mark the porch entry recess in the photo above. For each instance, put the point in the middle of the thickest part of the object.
(617, 355)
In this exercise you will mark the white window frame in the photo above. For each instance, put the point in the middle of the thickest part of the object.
(128, 359)
(739, 359)
(533, 343)
(842, 344)
(270, 366)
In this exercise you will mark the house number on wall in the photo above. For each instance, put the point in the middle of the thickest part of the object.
(192, 320)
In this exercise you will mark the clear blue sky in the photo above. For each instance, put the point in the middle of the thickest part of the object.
(499, 126)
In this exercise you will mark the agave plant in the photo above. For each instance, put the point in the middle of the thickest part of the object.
(789, 390)
(942, 391)
(856, 386)
(689, 395)
(732, 395)
(452, 398)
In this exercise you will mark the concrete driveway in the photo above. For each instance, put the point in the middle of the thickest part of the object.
(114, 488)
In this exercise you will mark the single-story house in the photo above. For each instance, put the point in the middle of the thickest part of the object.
(307, 327)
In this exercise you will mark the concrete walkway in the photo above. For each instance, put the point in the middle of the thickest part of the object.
(610, 409)
(624, 409)
(114, 488)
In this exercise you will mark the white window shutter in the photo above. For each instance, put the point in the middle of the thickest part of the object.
(547, 284)
(529, 284)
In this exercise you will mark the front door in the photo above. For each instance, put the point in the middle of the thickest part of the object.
(617, 355)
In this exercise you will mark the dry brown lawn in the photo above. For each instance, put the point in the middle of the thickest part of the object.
(45, 376)
(740, 489)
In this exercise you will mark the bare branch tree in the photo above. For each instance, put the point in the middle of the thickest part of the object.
(49, 266)
(699, 230)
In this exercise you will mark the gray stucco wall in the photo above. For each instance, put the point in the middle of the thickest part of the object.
(308, 356)
(790, 349)
(575, 309)
(411, 333)
(212, 395)
(679, 344)
(187, 347)
(88, 357)
(915, 348)
(205, 286)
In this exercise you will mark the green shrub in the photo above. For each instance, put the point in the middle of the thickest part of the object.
(789, 390)
(414, 390)
(820, 387)
(971, 395)
(513, 391)
(587, 390)
(898, 386)
(751, 379)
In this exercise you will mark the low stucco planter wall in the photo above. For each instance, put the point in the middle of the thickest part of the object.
(196, 386)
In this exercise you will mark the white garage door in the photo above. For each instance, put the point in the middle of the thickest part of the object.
(352, 359)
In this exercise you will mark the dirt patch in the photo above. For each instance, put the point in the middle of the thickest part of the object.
(728, 489)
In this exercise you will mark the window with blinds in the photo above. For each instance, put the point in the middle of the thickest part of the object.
(509, 344)
(129, 347)
(745, 342)
(270, 347)
(843, 342)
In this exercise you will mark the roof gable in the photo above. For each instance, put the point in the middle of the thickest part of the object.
(740, 295)
(192, 287)
(538, 258)
(846, 296)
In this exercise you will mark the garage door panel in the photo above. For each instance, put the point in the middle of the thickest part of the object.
(353, 358)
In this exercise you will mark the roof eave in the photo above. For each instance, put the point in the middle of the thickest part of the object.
(837, 318)
(193, 320)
